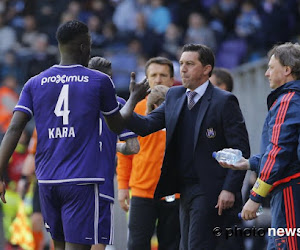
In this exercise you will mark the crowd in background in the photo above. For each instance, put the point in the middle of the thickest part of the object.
(129, 32)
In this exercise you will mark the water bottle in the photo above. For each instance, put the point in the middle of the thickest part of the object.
(258, 212)
(228, 155)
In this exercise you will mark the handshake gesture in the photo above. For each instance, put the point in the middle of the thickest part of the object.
(138, 91)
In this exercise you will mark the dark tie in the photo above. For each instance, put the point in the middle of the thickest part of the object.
(191, 102)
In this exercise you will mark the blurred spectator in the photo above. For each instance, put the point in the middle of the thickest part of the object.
(123, 61)
(199, 32)
(74, 8)
(103, 9)
(224, 12)
(140, 70)
(181, 9)
(248, 21)
(172, 42)
(42, 58)
(144, 7)
(14, 169)
(12, 175)
(275, 23)
(8, 36)
(8, 100)
(94, 24)
(112, 41)
(160, 17)
(14, 11)
(149, 40)
(79, 10)
(248, 27)
(66, 17)
(47, 14)
(29, 33)
(124, 16)
(10, 66)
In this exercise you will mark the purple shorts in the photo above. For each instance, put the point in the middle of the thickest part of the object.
(106, 222)
(74, 213)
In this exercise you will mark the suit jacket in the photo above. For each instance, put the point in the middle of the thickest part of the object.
(220, 124)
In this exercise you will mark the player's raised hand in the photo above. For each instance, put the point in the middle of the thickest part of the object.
(138, 91)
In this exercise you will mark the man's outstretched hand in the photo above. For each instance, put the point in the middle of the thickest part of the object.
(243, 164)
(138, 91)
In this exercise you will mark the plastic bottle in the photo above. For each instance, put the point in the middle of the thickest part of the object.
(228, 155)
(258, 212)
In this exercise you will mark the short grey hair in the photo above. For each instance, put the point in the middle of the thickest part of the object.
(288, 54)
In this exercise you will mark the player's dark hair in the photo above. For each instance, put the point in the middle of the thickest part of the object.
(71, 30)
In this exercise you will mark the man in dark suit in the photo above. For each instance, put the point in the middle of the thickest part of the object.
(199, 119)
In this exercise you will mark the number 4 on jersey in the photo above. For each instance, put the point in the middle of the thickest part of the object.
(62, 105)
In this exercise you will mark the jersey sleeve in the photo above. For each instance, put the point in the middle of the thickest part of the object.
(109, 104)
(126, 133)
(254, 163)
(25, 103)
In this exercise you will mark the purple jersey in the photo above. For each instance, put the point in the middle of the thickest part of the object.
(107, 144)
(65, 102)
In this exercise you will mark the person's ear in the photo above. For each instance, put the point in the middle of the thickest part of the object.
(288, 70)
(207, 69)
(83, 48)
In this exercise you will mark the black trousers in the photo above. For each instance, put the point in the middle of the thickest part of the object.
(198, 218)
(144, 215)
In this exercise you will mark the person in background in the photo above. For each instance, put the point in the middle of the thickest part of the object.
(222, 78)
(27, 178)
(141, 173)
(12, 175)
(8, 100)
(278, 164)
(156, 97)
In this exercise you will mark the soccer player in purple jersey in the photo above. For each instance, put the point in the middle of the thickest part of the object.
(107, 144)
(65, 101)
